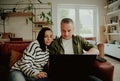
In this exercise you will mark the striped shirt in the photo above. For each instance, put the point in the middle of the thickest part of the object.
(33, 60)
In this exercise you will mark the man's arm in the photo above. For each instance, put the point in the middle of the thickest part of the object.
(88, 47)
(92, 51)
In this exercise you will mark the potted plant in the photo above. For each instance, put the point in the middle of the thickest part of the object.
(46, 17)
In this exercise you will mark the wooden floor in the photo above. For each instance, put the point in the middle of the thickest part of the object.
(116, 64)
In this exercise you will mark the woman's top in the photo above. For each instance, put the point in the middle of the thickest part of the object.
(33, 60)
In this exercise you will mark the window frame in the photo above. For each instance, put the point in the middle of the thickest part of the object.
(76, 23)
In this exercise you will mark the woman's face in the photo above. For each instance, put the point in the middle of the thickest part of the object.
(48, 37)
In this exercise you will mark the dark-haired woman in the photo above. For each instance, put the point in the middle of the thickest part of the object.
(35, 57)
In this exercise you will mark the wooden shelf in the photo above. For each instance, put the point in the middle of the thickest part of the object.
(113, 24)
(114, 12)
(40, 22)
(113, 33)
(36, 29)
(17, 14)
(112, 4)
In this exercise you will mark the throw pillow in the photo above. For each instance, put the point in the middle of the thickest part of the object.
(15, 56)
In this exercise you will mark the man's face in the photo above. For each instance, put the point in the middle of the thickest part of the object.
(67, 30)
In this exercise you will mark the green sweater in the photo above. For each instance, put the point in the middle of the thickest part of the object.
(79, 44)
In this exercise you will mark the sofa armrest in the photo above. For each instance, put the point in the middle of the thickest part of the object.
(103, 70)
(100, 47)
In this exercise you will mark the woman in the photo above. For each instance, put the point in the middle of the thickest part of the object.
(35, 57)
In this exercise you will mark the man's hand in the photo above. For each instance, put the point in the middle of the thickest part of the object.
(92, 51)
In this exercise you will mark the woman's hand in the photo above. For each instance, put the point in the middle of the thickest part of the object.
(41, 75)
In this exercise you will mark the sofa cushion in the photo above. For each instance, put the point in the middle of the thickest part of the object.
(15, 56)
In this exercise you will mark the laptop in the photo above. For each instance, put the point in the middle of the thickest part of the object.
(70, 67)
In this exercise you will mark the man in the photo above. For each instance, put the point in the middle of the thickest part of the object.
(71, 44)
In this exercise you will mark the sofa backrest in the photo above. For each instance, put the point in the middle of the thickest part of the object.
(5, 50)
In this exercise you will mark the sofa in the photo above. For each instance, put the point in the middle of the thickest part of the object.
(11, 50)
(6, 49)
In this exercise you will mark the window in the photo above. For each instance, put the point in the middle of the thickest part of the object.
(84, 17)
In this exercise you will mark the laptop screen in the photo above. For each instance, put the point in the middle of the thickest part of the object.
(67, 67)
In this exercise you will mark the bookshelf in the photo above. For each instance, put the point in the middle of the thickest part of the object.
(112, 28)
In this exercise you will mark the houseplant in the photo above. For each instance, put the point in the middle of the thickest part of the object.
(44, 17)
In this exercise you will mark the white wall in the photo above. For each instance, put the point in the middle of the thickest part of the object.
(98, 3)
(19, 26)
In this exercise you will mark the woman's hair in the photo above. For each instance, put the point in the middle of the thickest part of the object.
(41, 36)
